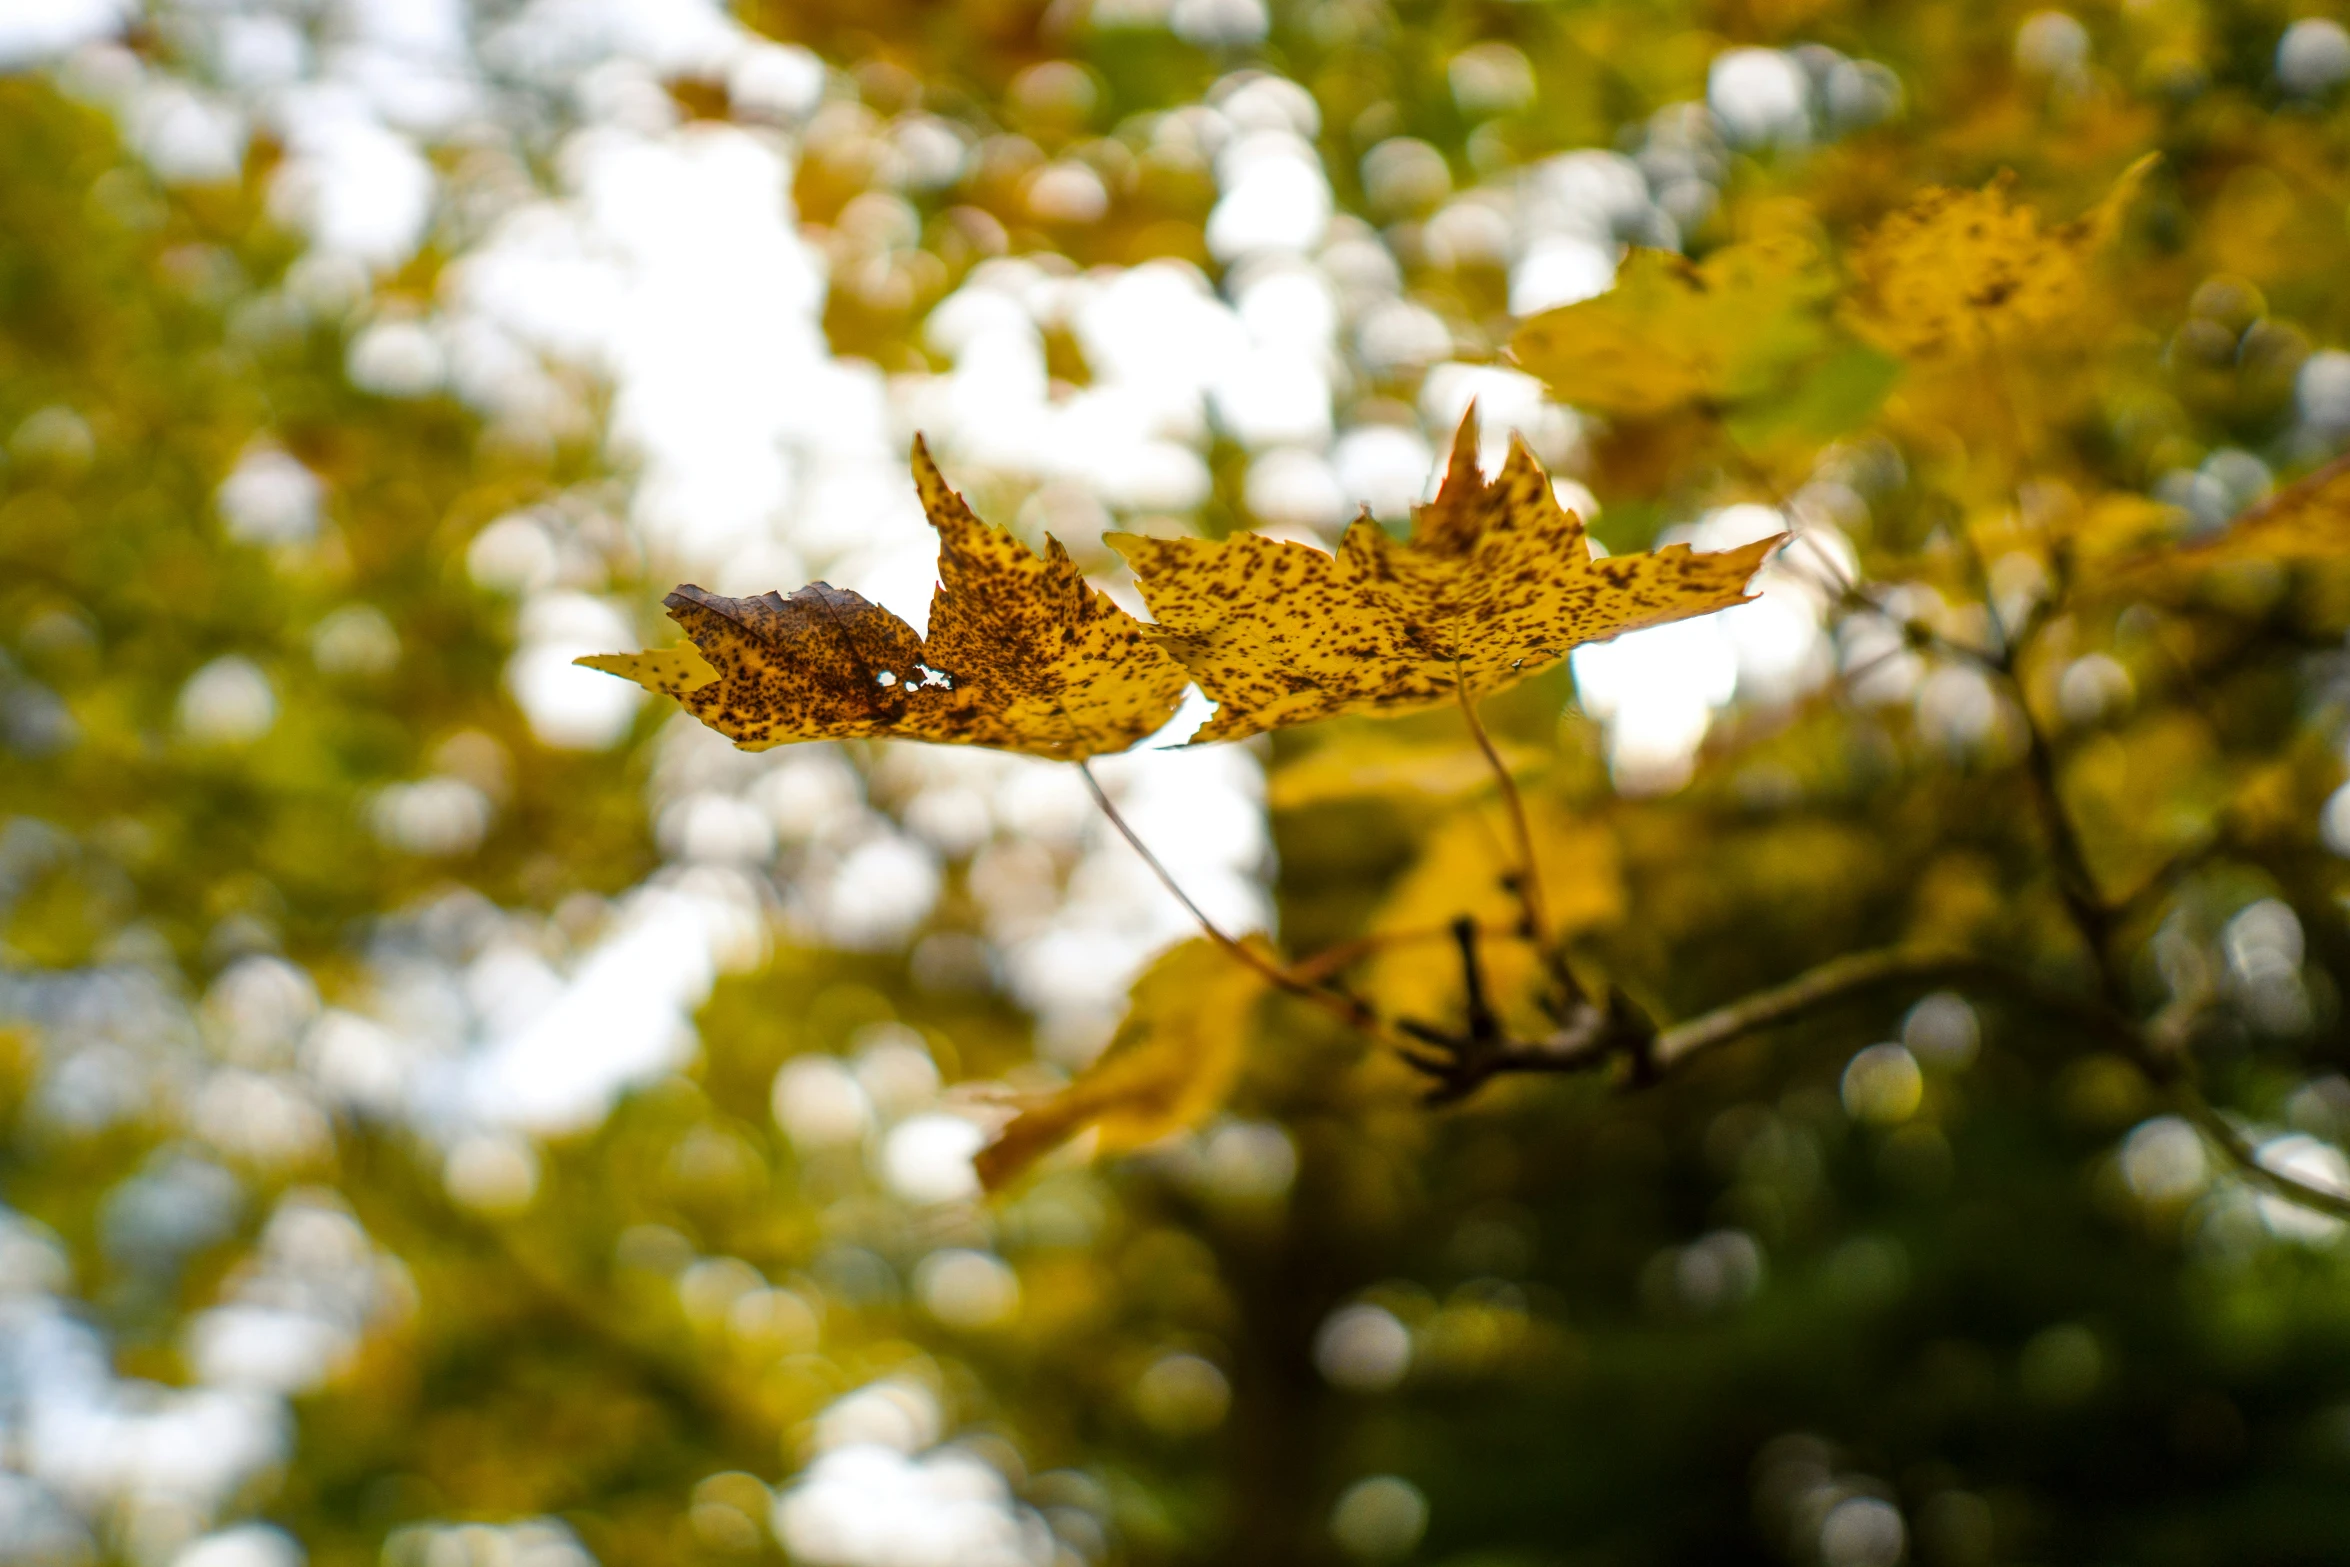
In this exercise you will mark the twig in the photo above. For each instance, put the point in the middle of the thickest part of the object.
(2076, 884)
(2163, 1050)
(1529, 874)
(1839, 979)
(1348, 1008)
(1621, 1031)
(1459, 1062)
(1529, 879)
(2246, 1158)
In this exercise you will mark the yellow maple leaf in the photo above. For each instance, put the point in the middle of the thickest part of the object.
(1171, 1064)
(1673, 332)
(1959, 270)
(1465, 869)
(1497, 583)
(1023, 654)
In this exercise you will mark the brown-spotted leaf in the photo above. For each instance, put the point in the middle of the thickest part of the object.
(1170, 1066)
(1959, 270)
(1023, 655)
(1497, 583)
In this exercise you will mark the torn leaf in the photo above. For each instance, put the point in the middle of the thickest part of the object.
(1023, 655)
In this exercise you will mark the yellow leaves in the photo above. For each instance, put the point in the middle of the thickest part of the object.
(1958, 271)
(1673, 332)
(2307, 522)
(2127, 544)
(2127, 832)
(1172, 1063)
(1497, 583)
(2114, 524)
(1023, 655)
(1466, 869)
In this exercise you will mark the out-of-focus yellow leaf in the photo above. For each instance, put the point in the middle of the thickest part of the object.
(1497, 583)
(2307, 523)
(1674, 332)
(1170, 1066)
(2114, 525)
(1358, 765)
(1023, 655)
(2128, 830)
(1957, 270)
(1464, 869)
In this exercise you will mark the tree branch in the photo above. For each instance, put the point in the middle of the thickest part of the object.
(2246, 1158)
(1841, 979)
(2163, 1047)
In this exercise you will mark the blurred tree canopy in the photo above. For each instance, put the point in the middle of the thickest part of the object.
(1858, 1078)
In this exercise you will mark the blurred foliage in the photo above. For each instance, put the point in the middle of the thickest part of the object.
(1689, 1319)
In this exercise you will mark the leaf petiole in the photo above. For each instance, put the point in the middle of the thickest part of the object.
(1349, 1009)
(1528, 882)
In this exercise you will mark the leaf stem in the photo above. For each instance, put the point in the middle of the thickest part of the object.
(1529, 879)
(1347, 1008)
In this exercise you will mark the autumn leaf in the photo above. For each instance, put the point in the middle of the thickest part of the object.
(1674, 332)
(1170, 1066)
(1465, 869)
(1959, 270)
(1023, 655)
(2117, 524)
(1497, 583)
(2304, 523)
(2104, 788)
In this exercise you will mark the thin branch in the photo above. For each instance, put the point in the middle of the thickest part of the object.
(1213, 931)
(1529, 874)
(1601, 1036)
(1529, 880)
(1482, 1022)
(1841, 979)
(2075, 882)
(2246, 1158)
(1348, 1008)
(2163, 1048)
